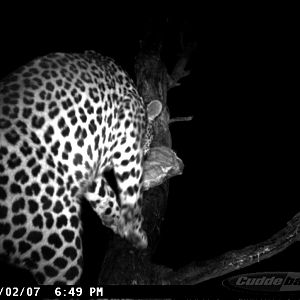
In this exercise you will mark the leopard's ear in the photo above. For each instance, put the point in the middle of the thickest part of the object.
(154, 109)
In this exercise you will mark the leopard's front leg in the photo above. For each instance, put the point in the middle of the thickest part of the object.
(125, 222)
(103, 200)
(129, 175)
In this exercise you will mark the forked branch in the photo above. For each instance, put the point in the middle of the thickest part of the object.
(179, 71)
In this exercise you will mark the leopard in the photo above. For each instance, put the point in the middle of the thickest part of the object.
(65, 119)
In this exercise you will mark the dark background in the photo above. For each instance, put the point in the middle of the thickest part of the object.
(239, 182)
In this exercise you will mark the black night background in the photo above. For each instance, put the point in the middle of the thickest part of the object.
(239, 183)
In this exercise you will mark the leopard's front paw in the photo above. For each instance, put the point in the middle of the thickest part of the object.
(130, 227)
(136, 236)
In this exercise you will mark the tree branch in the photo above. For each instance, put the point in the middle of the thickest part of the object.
(179, 70)
(197, 272)
(178, 73)
(181, 119)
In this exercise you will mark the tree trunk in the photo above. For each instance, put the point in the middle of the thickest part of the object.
(122, 263)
